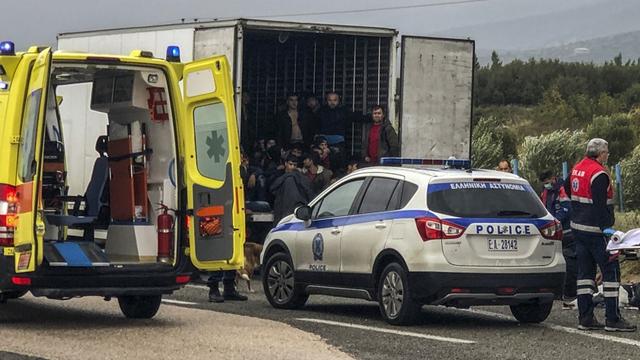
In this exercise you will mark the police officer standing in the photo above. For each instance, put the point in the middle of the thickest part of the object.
(591, 220)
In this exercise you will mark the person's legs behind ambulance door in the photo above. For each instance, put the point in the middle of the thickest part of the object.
(228, 281)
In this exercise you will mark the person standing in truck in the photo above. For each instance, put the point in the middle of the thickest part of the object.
(335, 119)
(312, 116)
(380, 138)
(292, 124)
(290, 190)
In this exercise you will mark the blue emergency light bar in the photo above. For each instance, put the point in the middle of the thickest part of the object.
(7, 48)
(453, 163)
(173, 53)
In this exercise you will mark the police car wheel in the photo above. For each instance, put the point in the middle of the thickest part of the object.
(139, 307)
(532, 313)
(394, 296)
(279, 283)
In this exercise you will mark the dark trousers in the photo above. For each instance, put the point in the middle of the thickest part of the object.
(570, 278)
(591, 251)
(226, 276)
(571, 274)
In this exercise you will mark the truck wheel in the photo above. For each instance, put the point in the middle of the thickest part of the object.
(139, 306)
(279, 283)
(532, 313)
(394, 296)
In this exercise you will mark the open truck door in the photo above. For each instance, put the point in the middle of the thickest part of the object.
(436, 97)
(29, 230)
(215, 199)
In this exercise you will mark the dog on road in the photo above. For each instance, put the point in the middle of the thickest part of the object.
(251, 262)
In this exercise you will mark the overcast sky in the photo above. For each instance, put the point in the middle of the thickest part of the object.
(29, 22)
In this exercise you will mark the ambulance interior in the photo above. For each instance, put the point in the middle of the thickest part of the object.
(109, 162)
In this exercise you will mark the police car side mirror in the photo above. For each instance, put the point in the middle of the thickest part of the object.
(303, 213)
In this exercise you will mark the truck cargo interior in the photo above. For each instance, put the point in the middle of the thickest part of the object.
(101, 202)
(278, 62)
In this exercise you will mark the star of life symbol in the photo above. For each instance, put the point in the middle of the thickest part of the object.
(215, 143)
(575, 184)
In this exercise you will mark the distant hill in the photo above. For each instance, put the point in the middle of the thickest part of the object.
(595, 50)
(561, 32)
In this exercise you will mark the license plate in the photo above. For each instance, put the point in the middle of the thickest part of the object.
(503, 245)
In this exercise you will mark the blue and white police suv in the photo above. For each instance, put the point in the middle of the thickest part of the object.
(406, 237)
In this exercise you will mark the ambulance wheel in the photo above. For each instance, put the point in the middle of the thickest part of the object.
(139, 306)
(279, 283)
(532, 313)
(394, 296)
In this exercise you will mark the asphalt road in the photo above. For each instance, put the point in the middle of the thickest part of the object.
(327, 328)
(90, 328)
(355, 327)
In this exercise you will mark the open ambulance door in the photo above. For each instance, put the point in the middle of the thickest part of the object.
(436, 100)
(29, 230)
(215, 199)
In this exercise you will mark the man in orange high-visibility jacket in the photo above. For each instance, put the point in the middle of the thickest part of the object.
(591, 220)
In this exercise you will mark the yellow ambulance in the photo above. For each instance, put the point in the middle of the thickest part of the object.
(162, 194)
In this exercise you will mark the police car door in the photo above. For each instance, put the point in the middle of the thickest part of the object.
(30, 228)
(367, 230)
(317, 246)
(212, 166)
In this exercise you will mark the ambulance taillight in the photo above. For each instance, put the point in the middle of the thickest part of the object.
(8, 202)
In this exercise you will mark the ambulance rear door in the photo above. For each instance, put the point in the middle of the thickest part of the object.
(215, 199)
(29, 231)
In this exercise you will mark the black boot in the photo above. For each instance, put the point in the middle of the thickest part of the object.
(230, 293)
(214, 295)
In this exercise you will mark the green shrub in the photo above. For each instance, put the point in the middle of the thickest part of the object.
(491, 141)
(631, 179)
(549, 151)
(617, 130)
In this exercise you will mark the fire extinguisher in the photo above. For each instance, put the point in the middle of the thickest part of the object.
(165, 233)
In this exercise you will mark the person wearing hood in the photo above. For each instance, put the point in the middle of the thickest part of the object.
(380, 138)
(290, 190)
(555, 199)
(318, 175)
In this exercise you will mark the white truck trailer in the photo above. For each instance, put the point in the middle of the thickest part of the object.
(430, 102)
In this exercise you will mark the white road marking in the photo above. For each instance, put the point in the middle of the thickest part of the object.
(592, 334)
(389, 331)
(178, 302)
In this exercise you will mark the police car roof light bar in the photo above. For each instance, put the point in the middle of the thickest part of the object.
(7, 48)
(452, 163)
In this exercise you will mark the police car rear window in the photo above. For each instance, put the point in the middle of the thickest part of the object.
(484, 200)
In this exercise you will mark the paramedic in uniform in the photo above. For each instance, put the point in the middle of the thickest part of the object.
(591, 220)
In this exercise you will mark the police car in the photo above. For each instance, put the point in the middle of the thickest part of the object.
(406, 237)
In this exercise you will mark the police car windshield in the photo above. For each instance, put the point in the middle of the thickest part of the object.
(484, 200)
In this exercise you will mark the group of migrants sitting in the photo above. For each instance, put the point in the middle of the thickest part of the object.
(303, 151)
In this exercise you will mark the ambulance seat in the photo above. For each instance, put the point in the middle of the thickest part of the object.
(95, 199)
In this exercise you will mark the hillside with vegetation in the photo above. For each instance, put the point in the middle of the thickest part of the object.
(542, 112)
